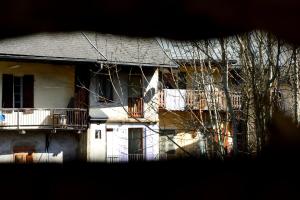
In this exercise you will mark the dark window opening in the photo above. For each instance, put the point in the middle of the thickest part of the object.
(135, 86)
(135, 141)
(104, 88)
(182, 80)
(17, 91)
(175, 80)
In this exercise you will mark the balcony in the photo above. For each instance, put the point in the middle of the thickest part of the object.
(136, 107)
(181, 100)
(43, 118)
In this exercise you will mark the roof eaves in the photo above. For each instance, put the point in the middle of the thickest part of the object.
(45, 58)
(138, 64)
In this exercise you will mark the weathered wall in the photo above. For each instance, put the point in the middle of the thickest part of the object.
(53, 85)
(116, 110)
(63, 147)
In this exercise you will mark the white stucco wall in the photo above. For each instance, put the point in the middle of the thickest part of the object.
(115, 142)
(53, 85)
(116, 111)
(63, 147)
(96, 147)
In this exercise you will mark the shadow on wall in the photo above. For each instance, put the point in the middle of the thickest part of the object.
(41, 146)
(195, 149)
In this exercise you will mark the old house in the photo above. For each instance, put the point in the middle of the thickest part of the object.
(80, 96)
(124, 99)
(43, 111)
(193, 108)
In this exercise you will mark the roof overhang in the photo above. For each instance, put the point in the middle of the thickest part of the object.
(137, 64)
(97, 120)
(11, 57)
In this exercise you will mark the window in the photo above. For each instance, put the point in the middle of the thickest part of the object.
(135, 86)
(173, 80)
(182, 80)
(169, 80)
(135, 141)
(17, 91)
(241, 138)
(135, 96)
(104, 88)
(167, 146)
(97, 134)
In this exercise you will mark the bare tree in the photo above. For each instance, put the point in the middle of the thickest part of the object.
(230, 88)
(262, 61)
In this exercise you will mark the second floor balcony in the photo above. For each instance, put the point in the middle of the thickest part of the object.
(182, 100)
(136, 107)
(43, 118)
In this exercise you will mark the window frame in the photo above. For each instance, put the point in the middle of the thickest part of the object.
(25, 91)
(163, 133)
(141, 140)
(103, 84)
(20, 92)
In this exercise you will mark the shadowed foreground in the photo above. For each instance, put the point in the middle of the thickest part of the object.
(273, 175)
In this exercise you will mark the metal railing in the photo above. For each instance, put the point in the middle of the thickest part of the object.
(197, 99)
(43, 118)
(126, 158)
(136, 157)
(113, 159)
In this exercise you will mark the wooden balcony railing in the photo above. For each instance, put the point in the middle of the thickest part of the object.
(43, 118)
(136, 107)
(173, 99)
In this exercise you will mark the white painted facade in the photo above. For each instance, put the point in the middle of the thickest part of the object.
(116, 111)
(112, 146)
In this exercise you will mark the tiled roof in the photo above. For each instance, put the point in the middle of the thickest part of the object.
(89, 46)
(130, 50)
(58, 45)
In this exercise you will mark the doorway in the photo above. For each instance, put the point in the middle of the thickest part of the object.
(135, 144)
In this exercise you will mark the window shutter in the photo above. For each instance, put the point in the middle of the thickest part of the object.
(7, 91)
(28, 94)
